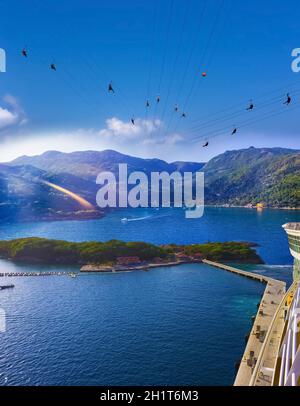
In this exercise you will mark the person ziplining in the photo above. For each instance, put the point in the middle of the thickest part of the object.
(288, 99)
(110, 88)
(251, 106)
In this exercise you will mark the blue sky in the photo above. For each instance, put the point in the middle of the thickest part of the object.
(148, 48)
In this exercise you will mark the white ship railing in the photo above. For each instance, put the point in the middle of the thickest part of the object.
(294, 374)
(290, 349)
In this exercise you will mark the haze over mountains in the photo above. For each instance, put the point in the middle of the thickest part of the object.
(88, 164)
(269, 175)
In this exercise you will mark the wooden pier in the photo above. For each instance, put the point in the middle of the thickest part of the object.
(251, 275)
(272, 297)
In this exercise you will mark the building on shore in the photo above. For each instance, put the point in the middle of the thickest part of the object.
(260, 206)
(198, 257)
(181, 256)
(127, 261)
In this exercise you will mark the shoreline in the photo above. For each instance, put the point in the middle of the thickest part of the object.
(227, 206)
(98, 268)
(90, 268)
(104, 215)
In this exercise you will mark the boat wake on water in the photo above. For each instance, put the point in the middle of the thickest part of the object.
(272, 266)
(127, 220)
(276, 266)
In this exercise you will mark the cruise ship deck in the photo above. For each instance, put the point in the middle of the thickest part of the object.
(278, 363)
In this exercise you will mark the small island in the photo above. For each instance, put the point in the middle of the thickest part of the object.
(115, 255)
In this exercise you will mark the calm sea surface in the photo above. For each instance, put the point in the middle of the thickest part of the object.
(179, 325)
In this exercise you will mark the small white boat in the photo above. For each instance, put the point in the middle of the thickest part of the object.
(124, 220)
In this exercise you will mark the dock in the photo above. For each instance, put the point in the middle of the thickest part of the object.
(273, 295)
(251, 275)
(14, 274)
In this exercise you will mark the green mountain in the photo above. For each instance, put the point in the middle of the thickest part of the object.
(253, 175)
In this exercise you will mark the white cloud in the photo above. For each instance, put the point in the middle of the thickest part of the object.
(172, 139)
(7, 118)
(164, 139)
(146, 132)
(11, 114)
(126, 130)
